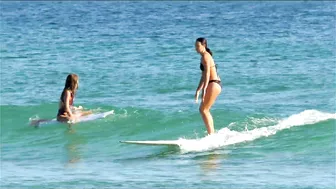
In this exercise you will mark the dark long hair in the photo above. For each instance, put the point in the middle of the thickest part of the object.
(70, 84)
(204, 42)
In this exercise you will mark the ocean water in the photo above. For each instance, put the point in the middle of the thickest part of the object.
(274, 120)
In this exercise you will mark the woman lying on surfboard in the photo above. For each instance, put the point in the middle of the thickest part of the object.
(210, 83)
(66, 111)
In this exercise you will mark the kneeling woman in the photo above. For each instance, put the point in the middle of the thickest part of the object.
(210, 83)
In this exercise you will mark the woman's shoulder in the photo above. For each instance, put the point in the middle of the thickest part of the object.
(68, 92)
(207, 57)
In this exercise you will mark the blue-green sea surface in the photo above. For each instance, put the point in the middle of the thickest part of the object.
(274, 120)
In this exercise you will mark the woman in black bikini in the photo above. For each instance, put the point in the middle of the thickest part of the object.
(210, 83)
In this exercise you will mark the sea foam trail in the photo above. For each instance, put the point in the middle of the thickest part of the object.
(226, 136)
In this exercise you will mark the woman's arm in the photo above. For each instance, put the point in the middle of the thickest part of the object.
(200, 84)
(67, 97)
(206, 73)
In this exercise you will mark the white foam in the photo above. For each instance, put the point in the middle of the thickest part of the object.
(226, 136)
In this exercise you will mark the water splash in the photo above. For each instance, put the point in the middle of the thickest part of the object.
(226, 136)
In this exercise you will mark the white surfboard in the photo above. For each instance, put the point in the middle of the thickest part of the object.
(153, 142)
(90, 117)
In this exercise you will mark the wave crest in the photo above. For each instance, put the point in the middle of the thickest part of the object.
(225, 136)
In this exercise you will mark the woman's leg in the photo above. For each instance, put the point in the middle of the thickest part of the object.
(85, 113)
(74, 117)
(63, 118)
(213, 90)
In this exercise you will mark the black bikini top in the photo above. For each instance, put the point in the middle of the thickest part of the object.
(202, 67)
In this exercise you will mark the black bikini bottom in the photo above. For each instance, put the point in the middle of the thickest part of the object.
(216, 81)
(60, 112)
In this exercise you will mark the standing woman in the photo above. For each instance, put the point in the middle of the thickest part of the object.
(210, 83)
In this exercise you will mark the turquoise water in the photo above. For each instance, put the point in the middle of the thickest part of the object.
(274, 120)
